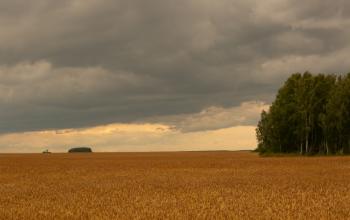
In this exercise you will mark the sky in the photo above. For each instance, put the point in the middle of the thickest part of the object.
(156, 75)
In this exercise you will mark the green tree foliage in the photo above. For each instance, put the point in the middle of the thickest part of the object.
(310, 115)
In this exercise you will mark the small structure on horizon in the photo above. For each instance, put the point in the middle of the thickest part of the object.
(46, 151)
(80, 150)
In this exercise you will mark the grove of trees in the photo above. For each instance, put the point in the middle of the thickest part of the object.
(310, 115)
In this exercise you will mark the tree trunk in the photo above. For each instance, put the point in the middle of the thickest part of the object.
(307, 134)
(307, 144)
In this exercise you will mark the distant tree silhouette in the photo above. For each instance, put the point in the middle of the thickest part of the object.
(80, 150)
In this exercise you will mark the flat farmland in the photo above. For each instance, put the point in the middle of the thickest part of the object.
(179, 185)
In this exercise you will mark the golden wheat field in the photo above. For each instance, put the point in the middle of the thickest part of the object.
(183, 185)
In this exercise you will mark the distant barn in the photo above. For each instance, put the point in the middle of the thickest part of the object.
(80, 150)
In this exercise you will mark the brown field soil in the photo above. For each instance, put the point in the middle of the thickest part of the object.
(183, 185)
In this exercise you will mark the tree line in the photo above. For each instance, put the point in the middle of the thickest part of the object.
(310, 115)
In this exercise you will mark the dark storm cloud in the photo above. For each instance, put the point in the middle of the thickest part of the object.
(75, 63)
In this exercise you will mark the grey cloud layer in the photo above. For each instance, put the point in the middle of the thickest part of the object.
(75, 63)
(213, 118)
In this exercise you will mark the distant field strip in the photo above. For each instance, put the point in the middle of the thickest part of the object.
(183, 185)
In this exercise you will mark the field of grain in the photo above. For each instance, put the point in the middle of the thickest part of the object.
(184, 185)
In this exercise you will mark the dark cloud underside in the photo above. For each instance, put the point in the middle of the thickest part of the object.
(75, 63)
